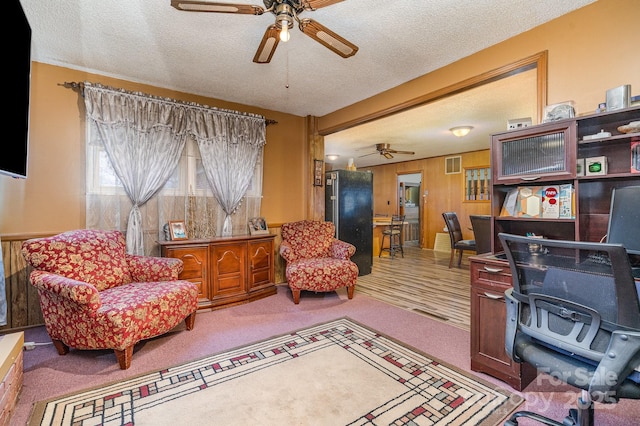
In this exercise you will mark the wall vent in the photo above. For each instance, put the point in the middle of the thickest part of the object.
(453, 165)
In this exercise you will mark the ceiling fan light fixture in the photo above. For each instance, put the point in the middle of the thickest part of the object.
(461, 131)
(286, 13)
(284, 20)
(284, 32)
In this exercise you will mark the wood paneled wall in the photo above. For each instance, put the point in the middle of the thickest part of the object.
(445, 192)
(23, 305)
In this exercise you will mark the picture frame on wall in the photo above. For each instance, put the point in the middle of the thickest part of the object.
(317, 172)
(177, 230)
(258, 226)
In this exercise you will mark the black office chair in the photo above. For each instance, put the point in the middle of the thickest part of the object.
(623, 228)
(481, 225)
(458, 245)
(573, 313)
(393, 232)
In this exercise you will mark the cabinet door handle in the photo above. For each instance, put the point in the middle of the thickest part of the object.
(494, 296)
(492, 270)
(527, 178)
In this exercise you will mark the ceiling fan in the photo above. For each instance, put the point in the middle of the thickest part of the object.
(385, 150)
(286, 11)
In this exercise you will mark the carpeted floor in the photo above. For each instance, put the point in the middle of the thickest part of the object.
(47, 375)
(336, 373)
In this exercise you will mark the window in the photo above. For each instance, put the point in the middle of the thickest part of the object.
(186, 196)
(189, 178)
(477, 183)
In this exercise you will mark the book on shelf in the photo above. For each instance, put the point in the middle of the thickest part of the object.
(547, 202)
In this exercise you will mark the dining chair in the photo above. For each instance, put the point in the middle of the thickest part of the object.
(481, 225)
(458, 245)
(393, 233)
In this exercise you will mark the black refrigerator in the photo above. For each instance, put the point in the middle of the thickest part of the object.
(349, 205)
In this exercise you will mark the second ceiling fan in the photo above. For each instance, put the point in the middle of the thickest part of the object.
(385, 150)
(286, 12)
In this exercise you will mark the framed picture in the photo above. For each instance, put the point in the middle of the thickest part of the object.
(317, 172)
(258, 226)
(177, 230)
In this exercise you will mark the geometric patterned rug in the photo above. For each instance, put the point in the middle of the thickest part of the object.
(336, 373)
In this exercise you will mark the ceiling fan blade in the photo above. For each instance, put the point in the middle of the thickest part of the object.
(402, 152)
(267, 46)
(317, 4)
(387, 155)
(203, 6)
(327, 38)
(366, 155)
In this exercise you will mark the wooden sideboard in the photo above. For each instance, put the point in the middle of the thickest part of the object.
(227, 270)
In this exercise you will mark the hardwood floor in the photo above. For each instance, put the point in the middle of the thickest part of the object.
(422, 282)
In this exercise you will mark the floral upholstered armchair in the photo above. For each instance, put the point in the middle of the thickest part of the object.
(94, 295)
(316, 260)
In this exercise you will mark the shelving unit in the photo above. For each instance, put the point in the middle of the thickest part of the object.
(547, 154)
(543, 155)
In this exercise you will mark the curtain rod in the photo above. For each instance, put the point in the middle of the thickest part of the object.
(79, 87)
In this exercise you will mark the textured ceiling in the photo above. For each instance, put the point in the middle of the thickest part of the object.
(425, 129)
(210, 54)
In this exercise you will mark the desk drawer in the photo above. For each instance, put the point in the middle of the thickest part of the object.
(488, 274)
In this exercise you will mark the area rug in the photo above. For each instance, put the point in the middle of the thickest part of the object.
(335, 373)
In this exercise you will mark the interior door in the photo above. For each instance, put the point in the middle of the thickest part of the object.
(410, 205)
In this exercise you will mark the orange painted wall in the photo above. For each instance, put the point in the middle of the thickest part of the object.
(590, 50)
(51, 199)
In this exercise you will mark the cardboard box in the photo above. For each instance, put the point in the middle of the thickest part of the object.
(595, 166)
(566, 201)
(551, 202)
(529, 201)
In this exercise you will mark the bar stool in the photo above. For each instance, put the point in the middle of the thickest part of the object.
(394, 234)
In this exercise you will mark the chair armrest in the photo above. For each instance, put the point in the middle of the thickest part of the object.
(342, 250)
(621, 358)
(78, 292)
(287, 252)
(150, 269)
(513, 313)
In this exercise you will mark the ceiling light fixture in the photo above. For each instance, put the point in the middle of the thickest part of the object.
(461, 131)
(284, 19)
(332, 157)
(284, 32)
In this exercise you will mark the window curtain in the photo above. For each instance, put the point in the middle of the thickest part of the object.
(143, 138)
(230, 145)
(187, 194)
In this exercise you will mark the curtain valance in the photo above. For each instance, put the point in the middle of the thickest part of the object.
(144, 136)
(108, 104)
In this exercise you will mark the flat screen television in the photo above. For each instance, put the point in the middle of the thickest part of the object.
(624, 218)
(15, 151)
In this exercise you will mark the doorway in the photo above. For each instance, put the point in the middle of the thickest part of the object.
(409, 190)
